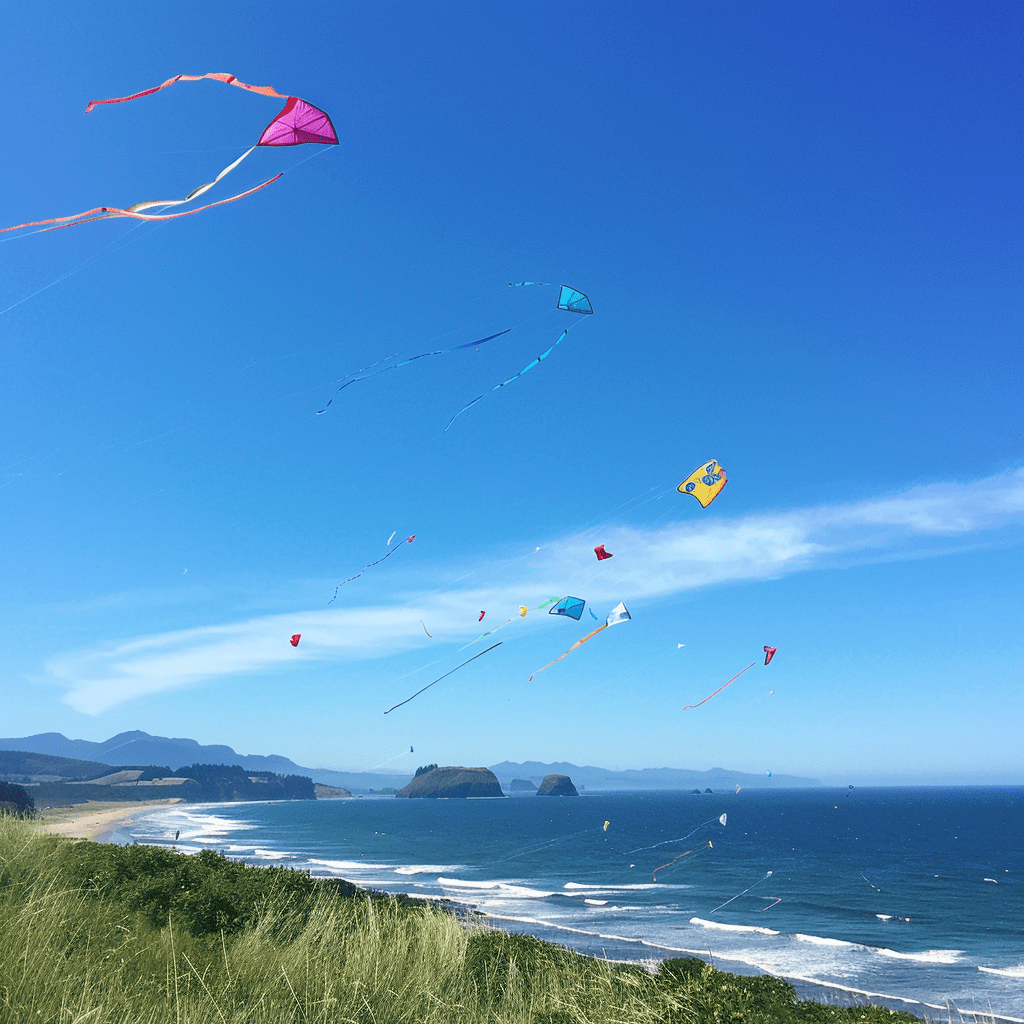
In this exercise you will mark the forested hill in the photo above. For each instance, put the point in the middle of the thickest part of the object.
(57, 781)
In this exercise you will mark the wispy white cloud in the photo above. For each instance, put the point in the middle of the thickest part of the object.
(648, 564)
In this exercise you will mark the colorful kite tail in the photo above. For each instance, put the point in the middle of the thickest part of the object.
(571, 649)
(721, 688)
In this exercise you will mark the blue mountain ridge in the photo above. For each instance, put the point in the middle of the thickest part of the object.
(140, 748)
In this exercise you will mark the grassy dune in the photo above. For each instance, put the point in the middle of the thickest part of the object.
(94, 934)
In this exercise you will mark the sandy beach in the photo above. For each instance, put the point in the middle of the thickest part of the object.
(89, 820)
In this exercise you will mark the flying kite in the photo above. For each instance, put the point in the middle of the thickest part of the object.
(769, 653)
(296, 637)
(571, 606)
(424, 625)
(618, 614)
(704, 483)
(445, 676)
(592, 615)
(606, 824)
(720, 689)
(739, 894)
(570, 301)
(481, 619)
(298, 123)
(398, 547)
(601, 553)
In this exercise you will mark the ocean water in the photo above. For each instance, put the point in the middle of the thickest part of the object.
(911, 896)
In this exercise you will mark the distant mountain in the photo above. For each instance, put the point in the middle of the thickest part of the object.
(645, 778)
(29, 766)
(139, 748)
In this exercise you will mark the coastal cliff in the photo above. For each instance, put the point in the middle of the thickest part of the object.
(443, 783)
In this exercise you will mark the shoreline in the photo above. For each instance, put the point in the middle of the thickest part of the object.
(105, 829)
(93, 819)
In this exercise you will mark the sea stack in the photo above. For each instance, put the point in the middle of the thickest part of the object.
(458, 782)
(557, 785)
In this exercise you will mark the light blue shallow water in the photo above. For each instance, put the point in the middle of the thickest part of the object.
(911, 894)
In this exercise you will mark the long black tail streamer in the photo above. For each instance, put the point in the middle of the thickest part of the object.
(445, 676)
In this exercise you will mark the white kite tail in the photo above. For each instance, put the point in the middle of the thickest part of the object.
(195, 193)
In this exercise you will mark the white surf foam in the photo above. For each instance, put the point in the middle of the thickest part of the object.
(819, 940)
(345, 865)
(426, 869)
(720, 926)
(596, 903)
(927, 956)
(623, 888)
(1004, 972)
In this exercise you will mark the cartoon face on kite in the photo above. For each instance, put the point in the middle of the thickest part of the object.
(298, 123)
(601, 553)
(769, 653)
(571, 606)
(704, 483)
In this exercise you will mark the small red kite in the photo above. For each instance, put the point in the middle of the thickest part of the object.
(481, 619)
(601, 553)
(769, 653)
(295, 639)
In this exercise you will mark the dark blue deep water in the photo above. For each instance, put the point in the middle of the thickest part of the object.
(911, 894)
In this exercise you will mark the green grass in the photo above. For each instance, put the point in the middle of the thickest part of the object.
(95, 934)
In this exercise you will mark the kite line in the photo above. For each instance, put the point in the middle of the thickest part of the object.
(445, 676)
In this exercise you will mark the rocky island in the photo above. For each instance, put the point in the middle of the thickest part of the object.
(557, 785)
(452, 781)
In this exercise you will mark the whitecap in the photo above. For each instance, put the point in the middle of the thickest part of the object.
(720, 926)
(820, 940)
(1004, 972)
(426, 869)
(927, 956)
(596, 903)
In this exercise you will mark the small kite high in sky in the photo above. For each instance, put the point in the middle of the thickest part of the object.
(294, 641)
(298, 123)
(704, 483)
(769, 653)
(397, 547)
(570, 606)
(601, 553)
(481, 619)
(618, 614)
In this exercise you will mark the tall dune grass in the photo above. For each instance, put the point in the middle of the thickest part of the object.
(80, 944)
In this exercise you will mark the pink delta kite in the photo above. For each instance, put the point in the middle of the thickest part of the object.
(298, 124)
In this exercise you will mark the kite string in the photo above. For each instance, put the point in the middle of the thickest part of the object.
(739, 894)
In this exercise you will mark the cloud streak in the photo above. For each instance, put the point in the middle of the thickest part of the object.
(649, 564)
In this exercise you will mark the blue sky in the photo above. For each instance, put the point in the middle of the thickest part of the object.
(800, 227)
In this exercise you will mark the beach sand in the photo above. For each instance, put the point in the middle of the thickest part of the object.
(92, 819)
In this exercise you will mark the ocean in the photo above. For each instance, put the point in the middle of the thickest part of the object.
(908, 897)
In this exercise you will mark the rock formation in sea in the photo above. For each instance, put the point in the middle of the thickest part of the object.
(557, 785)
(522, 786)
(453, 782)
(330, 792)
